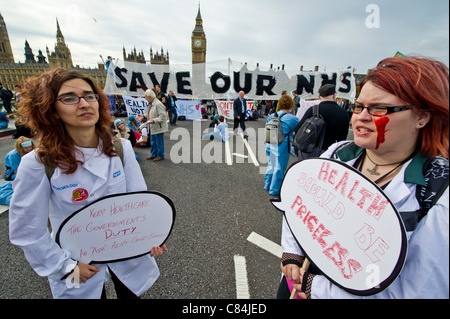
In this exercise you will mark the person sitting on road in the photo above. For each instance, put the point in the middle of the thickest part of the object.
(4, 120)
(22, 146)
(124, 132)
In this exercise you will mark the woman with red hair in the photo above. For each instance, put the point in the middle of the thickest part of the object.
(68, 113)
(401, 142)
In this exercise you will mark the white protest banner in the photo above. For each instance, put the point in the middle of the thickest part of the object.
(225, 108)
(224, 79)
(117, 227)
(344, 224)
(191, 109)
(136, 106)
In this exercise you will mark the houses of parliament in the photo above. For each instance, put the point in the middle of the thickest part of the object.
(12, 73)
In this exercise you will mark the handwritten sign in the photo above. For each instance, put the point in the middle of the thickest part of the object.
(192, 110)
(136, 106)
(344, 224)
(225, 108)
(117, 227)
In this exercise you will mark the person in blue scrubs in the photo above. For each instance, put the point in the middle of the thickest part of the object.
(22, 146)
(279, 154)
(4, 120)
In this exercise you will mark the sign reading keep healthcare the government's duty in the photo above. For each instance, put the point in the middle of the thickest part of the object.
(117, 227)
(344, 224)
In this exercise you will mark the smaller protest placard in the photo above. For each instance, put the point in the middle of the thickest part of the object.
(225, 108)
(136, 106)
(117, 227)
(344, 224)
(192, 110)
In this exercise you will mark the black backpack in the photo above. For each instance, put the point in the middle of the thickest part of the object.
(311, 134)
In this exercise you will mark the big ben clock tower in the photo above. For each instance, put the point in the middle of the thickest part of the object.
(198, 52)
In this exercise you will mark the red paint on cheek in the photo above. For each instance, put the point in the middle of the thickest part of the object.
(381, 123)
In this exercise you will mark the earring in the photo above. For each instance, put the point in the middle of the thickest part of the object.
(421, 124)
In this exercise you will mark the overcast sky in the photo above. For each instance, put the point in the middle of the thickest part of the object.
(332, 34)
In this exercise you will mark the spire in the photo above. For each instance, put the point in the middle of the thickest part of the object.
(59, 35)
(199, 21)
(199, 15)
(6, 54)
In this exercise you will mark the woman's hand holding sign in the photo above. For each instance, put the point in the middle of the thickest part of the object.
(292, 272)
(298, 286)
(158, 251)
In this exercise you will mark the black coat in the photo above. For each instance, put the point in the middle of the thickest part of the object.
(237, 108)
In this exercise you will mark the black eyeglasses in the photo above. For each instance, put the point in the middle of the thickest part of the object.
(379, 110)
(73, 99)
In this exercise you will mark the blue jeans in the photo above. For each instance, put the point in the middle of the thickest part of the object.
(173, 115)
(157, 145)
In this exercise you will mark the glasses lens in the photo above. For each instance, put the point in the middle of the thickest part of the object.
(378, 111)
(357, 109)
(70, 100)
(91, 97)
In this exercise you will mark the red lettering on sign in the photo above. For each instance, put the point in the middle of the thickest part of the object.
(379, 247)
(332, 177)
(320, 233)
(363, 237)
(335, 252)
(377, 207)
(342, 184)
(366, 194)
(323, 173)
(354, 188)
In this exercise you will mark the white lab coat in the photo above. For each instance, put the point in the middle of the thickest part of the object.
(426, 270)
(35, 201)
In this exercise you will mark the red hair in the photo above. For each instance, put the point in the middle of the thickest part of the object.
(422, 83)
(56, 148)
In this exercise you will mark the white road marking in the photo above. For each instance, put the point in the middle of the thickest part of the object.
(228, 153)
(250, 151)
(265, 244)
(240, 266)
(240, 155)
(3, 208)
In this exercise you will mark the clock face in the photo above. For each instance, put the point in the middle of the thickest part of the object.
(198, 43)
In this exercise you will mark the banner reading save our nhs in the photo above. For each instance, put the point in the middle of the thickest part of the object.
(223, 80)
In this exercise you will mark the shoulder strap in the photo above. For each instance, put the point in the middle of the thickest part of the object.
(436, 174)
(49, 170)
(119, 148)
(316, 110)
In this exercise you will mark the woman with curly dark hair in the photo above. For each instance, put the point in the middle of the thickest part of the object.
(75, 164)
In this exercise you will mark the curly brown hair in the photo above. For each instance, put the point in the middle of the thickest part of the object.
(285, 103)
(56, 147)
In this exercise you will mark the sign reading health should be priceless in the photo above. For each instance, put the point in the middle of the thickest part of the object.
(344, 224)
(117, 227)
